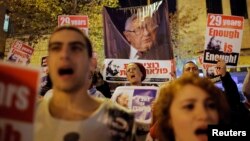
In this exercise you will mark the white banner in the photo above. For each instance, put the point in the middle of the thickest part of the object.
(158, 71)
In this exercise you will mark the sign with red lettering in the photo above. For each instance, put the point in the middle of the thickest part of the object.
(18, 93)
(20, 53)
(158, 71)
(75, 20)
(209, 70)
(223, 38)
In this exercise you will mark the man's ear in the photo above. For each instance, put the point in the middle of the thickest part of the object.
(127, 35)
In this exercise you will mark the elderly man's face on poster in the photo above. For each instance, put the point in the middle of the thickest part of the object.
(214, 44)
(141, 32)
(210, 72)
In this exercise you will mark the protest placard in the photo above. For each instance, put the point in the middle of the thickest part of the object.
(18, 93)
(137, 98)
(20, 53)
(79, 21)
(157, 71)
(223, 38)
(209, 70)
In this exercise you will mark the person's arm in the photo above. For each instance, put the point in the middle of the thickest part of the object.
(246, 85)
(230, 87)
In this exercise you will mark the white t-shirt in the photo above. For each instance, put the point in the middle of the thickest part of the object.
(93, 92)
(95, 128)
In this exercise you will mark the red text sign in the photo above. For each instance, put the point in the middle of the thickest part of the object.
(78, 21)
(18, 91)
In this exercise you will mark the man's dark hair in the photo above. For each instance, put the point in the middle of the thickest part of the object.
(72, 28)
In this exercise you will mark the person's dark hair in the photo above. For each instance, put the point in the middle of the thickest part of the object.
(167, 94)
(72, 28)
(142, 69)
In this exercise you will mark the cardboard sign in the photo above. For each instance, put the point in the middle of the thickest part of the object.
(20, 53)
(75, 20)
(157, 71)
(137, 98)
(209, 70)
(18, 92)
(223, 38)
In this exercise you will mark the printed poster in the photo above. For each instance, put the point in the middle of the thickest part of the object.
(209, 70)
(223, 38)
(138, 99)
(156, 71)
(138, 33)
(20, 53)
(45, 70)
(18, 95)
(79, 21)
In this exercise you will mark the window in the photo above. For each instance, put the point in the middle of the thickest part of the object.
(171, 6)
(239, 8)
(214, 6)
(6, 23)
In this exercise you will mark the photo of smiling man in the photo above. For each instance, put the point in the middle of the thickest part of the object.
(141, 34)
(137, 32)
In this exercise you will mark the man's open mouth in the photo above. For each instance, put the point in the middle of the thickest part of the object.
(65, 71)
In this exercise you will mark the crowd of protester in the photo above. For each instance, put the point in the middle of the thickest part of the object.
(75, 103)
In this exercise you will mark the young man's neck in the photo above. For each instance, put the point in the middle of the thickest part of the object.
(72, 106)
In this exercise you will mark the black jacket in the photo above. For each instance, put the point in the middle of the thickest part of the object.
(240, 115)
